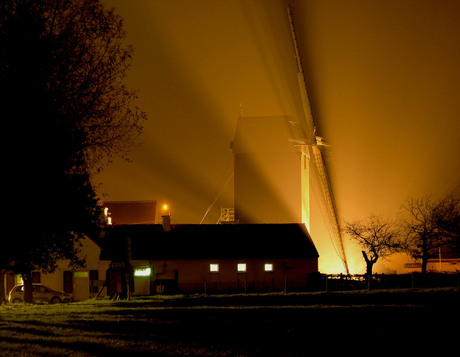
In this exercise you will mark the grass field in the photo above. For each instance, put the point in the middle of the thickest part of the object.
(239, 325)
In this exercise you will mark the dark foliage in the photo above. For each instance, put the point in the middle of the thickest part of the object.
(65, 112)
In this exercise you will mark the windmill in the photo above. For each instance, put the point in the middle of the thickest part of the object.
(316, 153)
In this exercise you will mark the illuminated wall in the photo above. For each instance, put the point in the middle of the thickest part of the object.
(228, 274)
(132, 212)
(271, 171)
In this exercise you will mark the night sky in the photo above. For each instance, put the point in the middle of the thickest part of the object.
(382, 76)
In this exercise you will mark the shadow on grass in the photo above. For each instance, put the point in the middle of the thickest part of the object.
(231, 326)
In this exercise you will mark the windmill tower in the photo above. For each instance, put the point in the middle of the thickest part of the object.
(271, 171)
(273, 160)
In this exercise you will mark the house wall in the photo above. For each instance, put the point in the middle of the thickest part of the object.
(81, 283)
(402, 263)
(451, 265)
(196, 275)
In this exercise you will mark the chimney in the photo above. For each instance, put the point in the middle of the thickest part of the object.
(166, 223)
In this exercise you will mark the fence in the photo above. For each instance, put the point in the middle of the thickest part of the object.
(388, 281)
(326, 282)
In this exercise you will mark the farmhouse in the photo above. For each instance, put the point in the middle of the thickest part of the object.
(82, 283)
(155, 258)
(88, 281)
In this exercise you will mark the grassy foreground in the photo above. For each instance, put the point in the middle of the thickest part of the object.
(239, 325)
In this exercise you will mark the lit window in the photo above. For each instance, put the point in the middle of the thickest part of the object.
(242, 268)
(214, 268)
(107, 216)
(268, 267)
(81, 274)
(142, 272)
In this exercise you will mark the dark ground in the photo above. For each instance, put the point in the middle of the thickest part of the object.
(273, 325)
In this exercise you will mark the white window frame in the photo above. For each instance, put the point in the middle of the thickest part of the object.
(241, 267)
(268, 267)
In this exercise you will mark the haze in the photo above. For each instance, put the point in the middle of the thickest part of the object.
(382, 79)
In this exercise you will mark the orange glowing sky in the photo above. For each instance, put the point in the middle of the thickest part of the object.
(383, 80)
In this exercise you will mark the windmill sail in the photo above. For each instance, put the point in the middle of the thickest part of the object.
(320, 163)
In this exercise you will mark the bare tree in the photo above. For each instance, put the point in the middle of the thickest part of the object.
(447, 215)
(377, 237)
(430, 225)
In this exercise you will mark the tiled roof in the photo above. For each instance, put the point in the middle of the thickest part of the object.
(208, 241)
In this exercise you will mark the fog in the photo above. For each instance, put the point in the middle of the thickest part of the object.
(382, 79)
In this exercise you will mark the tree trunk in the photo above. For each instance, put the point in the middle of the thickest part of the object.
(369, 266)
(28, 292)
(423, 277)
(424, 265)
(2, 287)
(425, 253)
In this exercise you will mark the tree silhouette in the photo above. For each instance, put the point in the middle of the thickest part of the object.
(430, 225)
(66, 113)
(376, 236)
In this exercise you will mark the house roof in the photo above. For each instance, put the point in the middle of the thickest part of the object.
(208, 241)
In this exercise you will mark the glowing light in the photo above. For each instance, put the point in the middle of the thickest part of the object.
(107, 216)
(268, 267)
(142, 272)
(214, 268)
(165, 207)
(241, 267)
(81, 274)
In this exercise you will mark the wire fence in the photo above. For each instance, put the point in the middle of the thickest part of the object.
(337, 282)
(324, 282)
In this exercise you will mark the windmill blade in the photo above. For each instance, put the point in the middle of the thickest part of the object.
(302, 84)
(331, 209)
(320, 163)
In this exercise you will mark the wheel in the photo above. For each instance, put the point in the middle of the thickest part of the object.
(55, 300)
(17, 301)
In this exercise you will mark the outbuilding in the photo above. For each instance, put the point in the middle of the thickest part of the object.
(154, 258)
